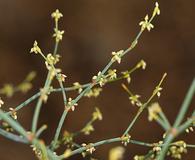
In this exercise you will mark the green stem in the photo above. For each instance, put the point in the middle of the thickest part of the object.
(185, 105)
(12, 137)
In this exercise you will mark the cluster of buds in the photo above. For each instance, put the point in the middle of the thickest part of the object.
(126, 75)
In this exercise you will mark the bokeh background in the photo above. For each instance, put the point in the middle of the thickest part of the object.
(93, 29)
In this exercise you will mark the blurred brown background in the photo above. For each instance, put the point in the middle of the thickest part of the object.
(95, 28)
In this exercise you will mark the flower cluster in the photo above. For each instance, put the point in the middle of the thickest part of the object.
(117, 56)
(58, 35)
(94, 92)
(89, 147)
(88, 129)
(141, 64)
(153, 111)
(101, 79)
(125, 139)
(71, 104)
(56, 15)
(97, 115)
(127, 76)
(177, 150)
(78, 86)
(135, 100)
(112, 74)
(35, 49)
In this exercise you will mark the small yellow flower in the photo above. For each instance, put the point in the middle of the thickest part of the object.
(56, 15)
(97, 114)
(35, 49)
(146, 24)
(153, 111)
(88, 129)
(156, 9)
(78, 86)
(117, 56)
(134, 99)
(58, 35)
(112, 74)
(142, 64)
(127, 76)
(89, 148)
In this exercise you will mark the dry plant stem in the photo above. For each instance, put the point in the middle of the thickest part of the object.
(179, 129)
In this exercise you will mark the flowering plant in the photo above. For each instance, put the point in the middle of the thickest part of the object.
(12, 129)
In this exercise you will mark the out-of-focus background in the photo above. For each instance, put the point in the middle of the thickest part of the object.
(93, 29)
